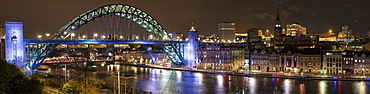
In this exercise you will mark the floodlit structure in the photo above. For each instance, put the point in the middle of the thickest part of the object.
(295, 29)
(15, 46)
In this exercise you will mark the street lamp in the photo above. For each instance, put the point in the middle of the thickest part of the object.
(95, 35)
(103, 37)
(83, 36)
(47, 35)
(150, 37)
(72, 35)
(39, 36)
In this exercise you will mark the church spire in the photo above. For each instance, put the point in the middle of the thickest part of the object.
(277, 21)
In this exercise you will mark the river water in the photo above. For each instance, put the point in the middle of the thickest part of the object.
(161, 81)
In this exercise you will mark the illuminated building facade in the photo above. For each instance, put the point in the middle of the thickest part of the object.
(226, 31)
(273, 62)
(260, 61)
(348, 63)
(217, 56)
(15, 46)
(295, 30)
(288, 61)
(332, 62)
(310, 61)
(362, 63)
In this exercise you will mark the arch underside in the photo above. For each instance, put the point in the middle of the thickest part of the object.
(119, 10)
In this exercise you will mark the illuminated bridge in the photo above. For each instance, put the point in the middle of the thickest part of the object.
(99, 41)
(109, 24)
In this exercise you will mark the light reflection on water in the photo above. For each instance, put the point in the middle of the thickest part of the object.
(161, 81)
(322, 87)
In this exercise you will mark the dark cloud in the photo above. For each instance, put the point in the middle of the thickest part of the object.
(294, 8)
(314, 14)
(263, 15)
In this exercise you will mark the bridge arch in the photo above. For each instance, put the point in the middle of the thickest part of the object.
(39, 53)
(120, 10)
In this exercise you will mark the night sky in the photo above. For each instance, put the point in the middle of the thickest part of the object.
(41, 16)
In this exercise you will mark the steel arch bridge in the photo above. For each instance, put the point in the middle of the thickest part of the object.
(37, 51)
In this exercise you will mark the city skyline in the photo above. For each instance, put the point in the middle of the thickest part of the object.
(42, 17)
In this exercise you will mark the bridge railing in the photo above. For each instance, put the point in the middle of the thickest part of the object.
(98, 41)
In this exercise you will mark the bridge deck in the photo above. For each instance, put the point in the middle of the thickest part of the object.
(98, 41)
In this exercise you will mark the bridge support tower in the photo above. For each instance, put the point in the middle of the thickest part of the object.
(191, 57)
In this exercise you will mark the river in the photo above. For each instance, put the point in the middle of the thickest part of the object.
(162, 81)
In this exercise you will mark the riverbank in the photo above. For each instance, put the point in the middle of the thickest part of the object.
(298, 76)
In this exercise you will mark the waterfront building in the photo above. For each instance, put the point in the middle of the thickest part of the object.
(310, 60)
(348, 62)
(273, 62)
(361, 62)
(226, 31)
(156, 58)
(221, 57)
(259, 61)
(332, 62)
(135, 57)
(289, 60)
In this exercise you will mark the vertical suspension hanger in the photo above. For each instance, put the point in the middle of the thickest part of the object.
(100, 26)
(106, 25)
(133, 29)
(93, 28)
(120, 28)
(86, 28)
(127, 29)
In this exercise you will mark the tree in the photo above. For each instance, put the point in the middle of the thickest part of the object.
(71, 87)
(13, 80)
(83, 81)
